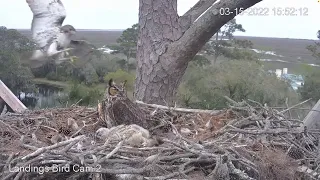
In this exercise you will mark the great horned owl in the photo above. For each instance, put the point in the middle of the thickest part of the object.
(121, 109)
(115, 91)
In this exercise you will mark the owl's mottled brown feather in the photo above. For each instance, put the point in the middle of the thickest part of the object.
(121, 110)
(124, 111)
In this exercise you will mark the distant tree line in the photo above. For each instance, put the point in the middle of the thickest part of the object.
(311, 85)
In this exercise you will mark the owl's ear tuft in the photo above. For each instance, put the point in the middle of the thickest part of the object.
(111, 83)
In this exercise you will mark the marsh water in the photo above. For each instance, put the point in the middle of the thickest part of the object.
(46, 97)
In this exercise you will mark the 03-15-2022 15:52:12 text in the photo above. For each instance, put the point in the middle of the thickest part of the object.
(265, 11)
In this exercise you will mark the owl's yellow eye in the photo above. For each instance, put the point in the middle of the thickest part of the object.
(113, 91)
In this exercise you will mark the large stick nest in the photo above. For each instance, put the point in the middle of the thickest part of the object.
(246, 141)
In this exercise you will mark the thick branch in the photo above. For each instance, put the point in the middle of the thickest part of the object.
(190, 16)
(185, 110)
(205, 27)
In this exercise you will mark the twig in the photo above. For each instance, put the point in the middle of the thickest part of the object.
(213, 112)
(267, 131)
(170, 175)
(241, 174)
(20, 173)
(12, 156)
(177, 153)
(73, 105)
(84, 125)
(49, 128)
(287, 105)
(11, 128)
(115, 150)
(294, 106)
(44, 149)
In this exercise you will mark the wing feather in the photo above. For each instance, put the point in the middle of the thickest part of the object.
(82, 44)
(48, 16)
(83, 50)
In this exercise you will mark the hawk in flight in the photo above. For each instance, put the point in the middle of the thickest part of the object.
(53, 39)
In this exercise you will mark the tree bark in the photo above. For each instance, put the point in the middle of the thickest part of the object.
(2, 103)
(312, 120)
(167, 42)
(216, 54)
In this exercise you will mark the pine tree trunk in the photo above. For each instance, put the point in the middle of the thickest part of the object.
(216, 53)
(168, 42)
(2, 103)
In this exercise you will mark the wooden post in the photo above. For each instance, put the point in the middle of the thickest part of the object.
(11, 99)
(312, 120)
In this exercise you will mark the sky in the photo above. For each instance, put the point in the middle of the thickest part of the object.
(121, 14)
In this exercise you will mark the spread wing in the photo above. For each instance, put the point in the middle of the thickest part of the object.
(81, 45)
(83, 50)
(48, 16)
